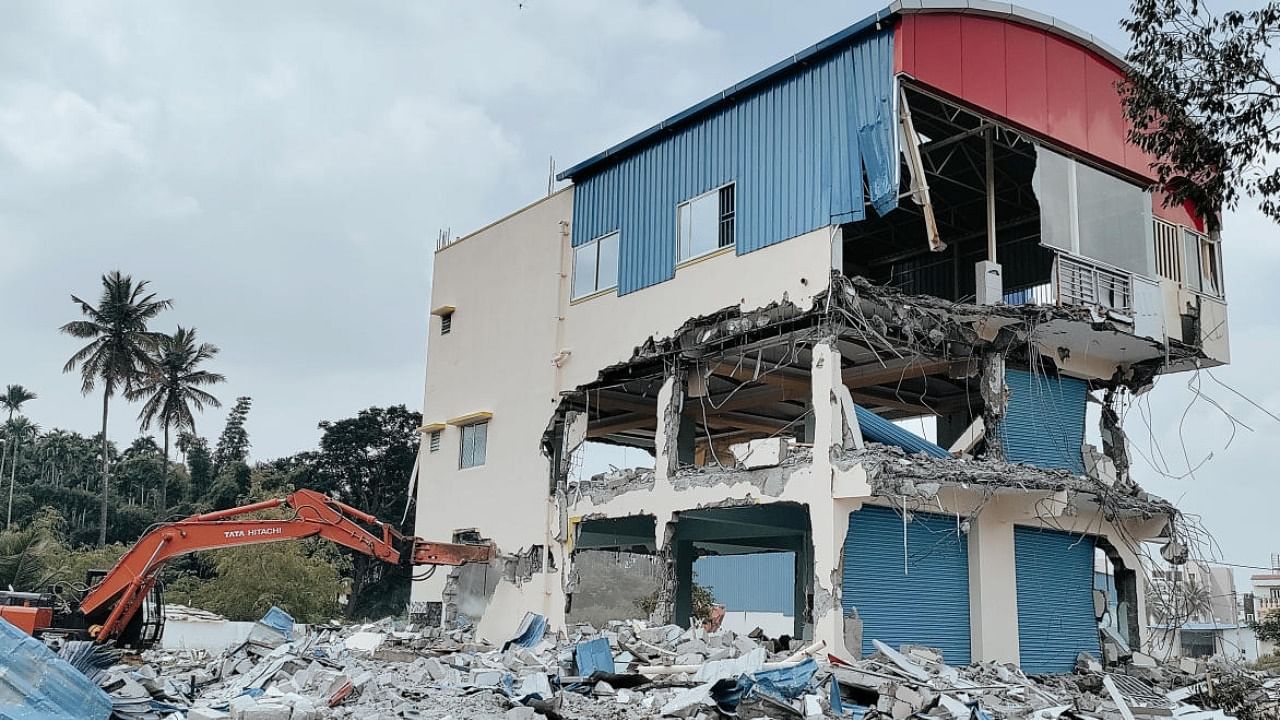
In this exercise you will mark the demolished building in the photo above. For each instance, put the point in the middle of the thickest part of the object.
(933, 213)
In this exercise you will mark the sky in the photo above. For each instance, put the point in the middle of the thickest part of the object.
(282, 170)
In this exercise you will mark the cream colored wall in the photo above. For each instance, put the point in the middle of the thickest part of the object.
(505, 282)
(604, 330)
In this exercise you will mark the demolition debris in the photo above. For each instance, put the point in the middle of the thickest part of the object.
(624, 671)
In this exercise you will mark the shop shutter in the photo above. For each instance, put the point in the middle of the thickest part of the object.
(1054, 572)
(924, 603)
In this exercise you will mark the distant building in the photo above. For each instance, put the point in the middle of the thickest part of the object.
(1194, 610)
(1266, 596)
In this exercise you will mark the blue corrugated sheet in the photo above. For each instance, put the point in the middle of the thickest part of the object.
(877, 429)
(35, 684)
(1044, 421)
(1054, 573)
(795, 147)
(758, 582)
(593, 656)
(922, 600)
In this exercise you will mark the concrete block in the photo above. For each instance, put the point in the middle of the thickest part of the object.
(910, 697)
(521, 712)
(267, 712)
(766, 452)
(207, 714)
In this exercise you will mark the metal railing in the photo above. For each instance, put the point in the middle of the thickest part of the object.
(1168, 242)
(1080, 281)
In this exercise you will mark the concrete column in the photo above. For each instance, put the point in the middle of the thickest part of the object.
(684, 557)
(995, 397)
(993, 590)
(667, 438)
(828, 435)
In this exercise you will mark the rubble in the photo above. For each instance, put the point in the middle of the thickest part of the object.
(631, 669)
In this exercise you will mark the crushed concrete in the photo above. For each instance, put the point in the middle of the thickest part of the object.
(389, 669)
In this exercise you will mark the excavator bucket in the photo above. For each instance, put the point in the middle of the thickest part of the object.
(438, 553)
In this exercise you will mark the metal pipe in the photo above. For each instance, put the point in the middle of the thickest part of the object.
(991, 195)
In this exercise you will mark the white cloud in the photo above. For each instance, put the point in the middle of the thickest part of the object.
(55, 131)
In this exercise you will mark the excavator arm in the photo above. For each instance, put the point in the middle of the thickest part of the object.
(111, 604)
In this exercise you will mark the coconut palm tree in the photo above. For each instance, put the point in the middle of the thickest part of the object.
(118, 353)
(18, 430)
(173, 388)
(14, 397)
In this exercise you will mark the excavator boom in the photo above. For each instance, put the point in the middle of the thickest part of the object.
(111, 604)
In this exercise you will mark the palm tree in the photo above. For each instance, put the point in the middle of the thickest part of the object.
(173, 387)
(14, 397)
(17, 430)
(118, 353)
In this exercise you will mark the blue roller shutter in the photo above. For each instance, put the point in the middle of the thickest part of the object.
(925, 604)
(1054, 573)
(1044, 421)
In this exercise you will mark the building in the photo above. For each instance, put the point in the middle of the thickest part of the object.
(931, 214)
(1193, 610)
(1265, 589)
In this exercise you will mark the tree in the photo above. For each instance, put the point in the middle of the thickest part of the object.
(233, 444)
(17, 430)
(299, 577)
(118, 354)
(173, 387)
(14, 397)
(1203, 102)
(1268, 627)
(199, 463)
(366, 462)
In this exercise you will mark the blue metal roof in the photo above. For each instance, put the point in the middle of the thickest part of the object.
(733, 92)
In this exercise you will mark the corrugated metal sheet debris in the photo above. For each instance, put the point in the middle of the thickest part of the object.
(877, 429)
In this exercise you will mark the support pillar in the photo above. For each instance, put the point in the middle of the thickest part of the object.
(667, 437)
(995, 397)
(993, 589)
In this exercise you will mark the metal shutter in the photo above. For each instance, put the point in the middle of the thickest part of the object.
(1054, 572)
(755, 582)
(1044, 421)
(928, 604)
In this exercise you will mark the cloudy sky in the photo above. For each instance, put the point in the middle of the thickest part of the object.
(281, 170)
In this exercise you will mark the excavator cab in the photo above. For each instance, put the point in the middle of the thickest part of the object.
(147, 625)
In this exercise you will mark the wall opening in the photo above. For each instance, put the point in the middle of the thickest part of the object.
(731, 541)
(615, 573)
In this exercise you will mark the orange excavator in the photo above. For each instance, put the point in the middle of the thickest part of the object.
(125, 604)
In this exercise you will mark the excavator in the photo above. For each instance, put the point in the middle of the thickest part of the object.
(125, 604)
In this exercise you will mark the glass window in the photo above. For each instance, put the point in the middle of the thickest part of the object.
(1191, 258)
(595, 265)
(475, 438)
(705, 223)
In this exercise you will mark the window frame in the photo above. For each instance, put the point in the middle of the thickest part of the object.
(466, 432)
(594, 243)
(722, 217)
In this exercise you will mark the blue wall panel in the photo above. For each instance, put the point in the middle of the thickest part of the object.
(924, 600)
(756, 582)
(1044, 421)
(1054, 573)
(794, 148)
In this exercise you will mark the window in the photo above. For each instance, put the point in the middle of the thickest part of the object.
(705, 223)
(433, 441)
(446, 323)
(475, 438)
(1202, 263)
(595, 265)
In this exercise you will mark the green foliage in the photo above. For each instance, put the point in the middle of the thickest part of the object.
(14, 397)
(25, 553)
(365, 461)
(1204, 102)
(249, 580)
(703, 600)
(1268, 628)
(1267, 663)
(233, 444)
(117, 355)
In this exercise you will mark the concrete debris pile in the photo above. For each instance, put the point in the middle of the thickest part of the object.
(630, 670)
